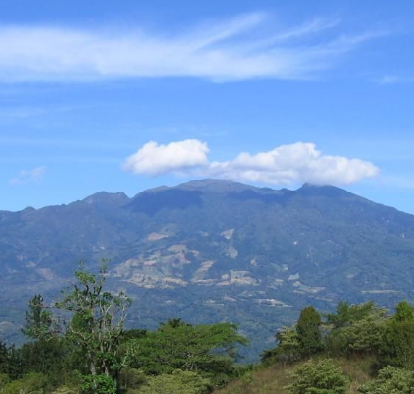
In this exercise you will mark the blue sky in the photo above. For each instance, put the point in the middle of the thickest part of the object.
(273, 93)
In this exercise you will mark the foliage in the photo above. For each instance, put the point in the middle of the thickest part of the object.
(32, 383)
(308, 331)
(288, 349)
(321, 378)
(131, 378)
(4, 379)
(38, 320)
(390, 380)
(398, 342)
(207, 349)
(297, 342)
(356, 329)
(49, 357)
(178, 382)
(99, 384)
(97, 324)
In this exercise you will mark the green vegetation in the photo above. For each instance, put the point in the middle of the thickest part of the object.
(321, 378)
(80, 345)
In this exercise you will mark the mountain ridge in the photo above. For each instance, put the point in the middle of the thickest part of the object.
(213, 250)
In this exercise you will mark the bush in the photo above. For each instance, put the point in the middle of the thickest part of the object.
(321, 378)
(32, 383)
(390, 380)
(4, 379)
(179, 382)
(131, 378)
(98, 384)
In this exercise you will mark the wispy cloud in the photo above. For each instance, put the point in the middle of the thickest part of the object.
(283, 165)
(393, 79)
(239, 48)
(34, 175)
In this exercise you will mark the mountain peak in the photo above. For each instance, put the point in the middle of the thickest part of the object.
(106, 197)
(215, 186)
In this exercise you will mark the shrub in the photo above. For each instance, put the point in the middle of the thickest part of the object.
(321, 378)
(390, 380)
(32, 383)
(182, 382)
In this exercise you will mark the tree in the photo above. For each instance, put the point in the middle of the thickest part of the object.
(321, 378)
(356, 329)
(207, 349)
(4, 357)
(398, 342)
(38, 320)
(288, 349)
(308, 331)
(96, 327)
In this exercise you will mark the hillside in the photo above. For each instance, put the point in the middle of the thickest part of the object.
(212, 250)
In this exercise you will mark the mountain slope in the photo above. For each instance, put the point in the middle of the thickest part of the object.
(214, 250)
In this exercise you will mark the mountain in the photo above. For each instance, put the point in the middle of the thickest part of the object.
(213, 250)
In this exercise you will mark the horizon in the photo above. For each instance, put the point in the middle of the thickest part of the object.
(101, 97)
(131, 196)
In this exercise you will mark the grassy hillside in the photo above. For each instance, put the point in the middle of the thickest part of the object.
(274, 379)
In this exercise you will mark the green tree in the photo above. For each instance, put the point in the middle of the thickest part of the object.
(207, 349)
(96, 327)
(356, 329)
(288, 348)
(390, 380)
(4, 357)
(321, 378)
(308, 331)
(398, 342)
(38, 320)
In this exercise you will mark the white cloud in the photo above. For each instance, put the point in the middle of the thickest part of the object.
(285, 165)
(28, 176)
(239, 48)
(155, 159)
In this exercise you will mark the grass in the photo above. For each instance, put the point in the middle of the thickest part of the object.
(272, 380)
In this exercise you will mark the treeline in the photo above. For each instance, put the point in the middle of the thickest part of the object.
(80, 345)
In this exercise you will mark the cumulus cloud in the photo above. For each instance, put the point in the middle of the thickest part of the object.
(284, 165)
(243, 47)
(28, 176)
(155, 159)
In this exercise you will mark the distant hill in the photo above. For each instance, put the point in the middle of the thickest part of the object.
(213, 250)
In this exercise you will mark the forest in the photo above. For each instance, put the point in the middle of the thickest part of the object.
(80, 344)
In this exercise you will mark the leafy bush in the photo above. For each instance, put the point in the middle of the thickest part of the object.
(32, 383)
(178, 382)
(98, 384)
(390, 380)
(4, 379)
(131, 378)
(321, 378)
